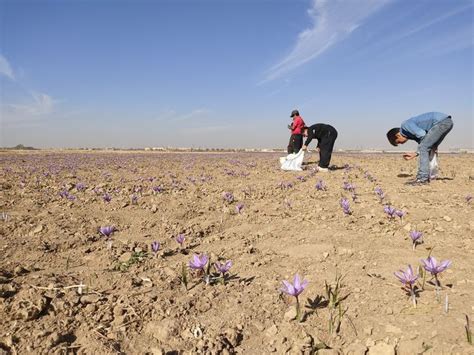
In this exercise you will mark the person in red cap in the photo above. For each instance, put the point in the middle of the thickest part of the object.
(296, 127)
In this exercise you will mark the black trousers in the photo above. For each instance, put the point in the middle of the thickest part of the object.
(295, 144)
(326, 146)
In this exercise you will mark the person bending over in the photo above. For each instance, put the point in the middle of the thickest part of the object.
(326, 136)
(428, 130)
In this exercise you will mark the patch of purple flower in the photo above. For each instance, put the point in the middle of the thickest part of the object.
(155, 247)
(390, 211)
(348, 186)
(379, 192)
(321, 186)
(198, 262)
(295, 290)
(431, 265)
(228, 197)
(107, 197)
(107, 231)
(222, 268)
(80, 186)
(408, 279)
(157, 189)
(416, 238)
(346, 208)
(239, 207)
(180, 238)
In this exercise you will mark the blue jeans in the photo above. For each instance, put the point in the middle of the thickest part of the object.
(431, 141)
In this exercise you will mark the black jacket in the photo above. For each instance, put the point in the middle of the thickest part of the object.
(319, 131)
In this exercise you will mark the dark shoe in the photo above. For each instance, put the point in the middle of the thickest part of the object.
(417, 182)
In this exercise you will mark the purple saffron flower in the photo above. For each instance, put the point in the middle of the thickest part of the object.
(107, 197)
(379, 192)
(320, 186)
(348, 186)
(415, 235)
(64, 193)
(155, 247)
(301, 178)
(80, 186)
(400, 213)
(431, 265)
(107, 231)
(407, 278)
(134, 199)
(228, 197)
(198, 262)
(296, 288)
(285, 185)
(346, 208)
(239, 207)
(224, 267)
(157, 189)
(390, 211)
(180, 238)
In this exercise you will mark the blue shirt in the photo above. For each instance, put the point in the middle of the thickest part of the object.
(415, 128)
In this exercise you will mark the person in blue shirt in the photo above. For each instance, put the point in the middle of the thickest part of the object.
(428, 130)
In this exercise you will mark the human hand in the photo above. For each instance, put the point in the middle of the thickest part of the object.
(409, 156)
(317, 149)
(305, 148)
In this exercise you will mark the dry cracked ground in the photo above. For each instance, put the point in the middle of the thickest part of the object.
(65, 288)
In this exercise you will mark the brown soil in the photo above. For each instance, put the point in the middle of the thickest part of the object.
(135, 303)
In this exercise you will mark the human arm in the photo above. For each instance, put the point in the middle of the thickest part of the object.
(411, 126)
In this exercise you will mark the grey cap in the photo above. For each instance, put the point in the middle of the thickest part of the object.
(294, 113)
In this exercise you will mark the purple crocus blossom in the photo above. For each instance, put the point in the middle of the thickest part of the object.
(390, 211)
(155, 247)
(296, 288)
(107, 197)
(239, 207)
(198, 262)
(415, 236)
(180, 238)
(407, 277)
(348, 186)
(379, 192)
(320, 185)
(80, 186)
(431, 265)
(346, 208)
(400, 213)
(157, 189)
(223, 267)
(107, 231)
(228, 197)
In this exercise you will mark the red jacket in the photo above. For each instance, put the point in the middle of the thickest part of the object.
(297, 125)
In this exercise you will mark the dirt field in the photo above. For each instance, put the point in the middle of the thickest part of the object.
(66, 288)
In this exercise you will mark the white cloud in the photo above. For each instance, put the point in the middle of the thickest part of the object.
(333, 20)
(5, 68)
(38, 106)
(172, 115)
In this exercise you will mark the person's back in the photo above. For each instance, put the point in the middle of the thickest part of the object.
(415, 128)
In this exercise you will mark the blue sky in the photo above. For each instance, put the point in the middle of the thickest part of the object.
(228, 73)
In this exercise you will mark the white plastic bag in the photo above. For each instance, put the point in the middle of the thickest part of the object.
(292, 162)
(434, 170)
